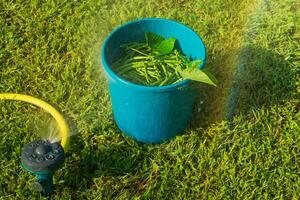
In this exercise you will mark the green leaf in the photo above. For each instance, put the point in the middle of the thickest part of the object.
(212, 77)
(153, 39)
(197, 75)
(166, 46)
(194, 64)
(159, 44)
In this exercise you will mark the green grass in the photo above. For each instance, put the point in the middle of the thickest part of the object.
(52, 51)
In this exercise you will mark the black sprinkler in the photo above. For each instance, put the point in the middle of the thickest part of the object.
(42, 158)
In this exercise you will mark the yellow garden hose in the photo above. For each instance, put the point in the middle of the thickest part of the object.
(63, 127)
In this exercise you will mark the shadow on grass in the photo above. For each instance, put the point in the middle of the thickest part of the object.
(115, 159)
(210, 102)
(267, 79)
(261, 78)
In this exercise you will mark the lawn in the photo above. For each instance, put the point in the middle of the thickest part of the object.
(244, 138)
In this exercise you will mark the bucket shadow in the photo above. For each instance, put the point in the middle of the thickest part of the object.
(262, 78)
(267, 80)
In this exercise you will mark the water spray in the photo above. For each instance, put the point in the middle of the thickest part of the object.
(43, 157)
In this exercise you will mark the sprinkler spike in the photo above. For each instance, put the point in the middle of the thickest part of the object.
(43, 183)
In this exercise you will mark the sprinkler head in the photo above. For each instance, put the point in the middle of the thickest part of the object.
(42, 158)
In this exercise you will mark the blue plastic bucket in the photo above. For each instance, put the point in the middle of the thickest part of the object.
(151, 114)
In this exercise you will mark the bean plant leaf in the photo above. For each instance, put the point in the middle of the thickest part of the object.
(166, 46)
(210, 75)
(194, 64)
(197, 75)
(153, 39)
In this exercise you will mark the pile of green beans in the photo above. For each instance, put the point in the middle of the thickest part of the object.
(142, 65)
